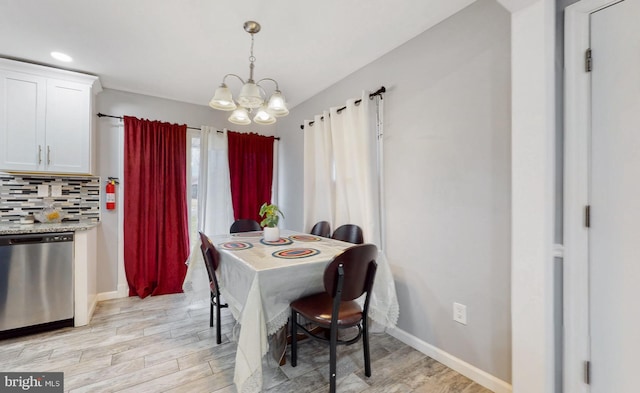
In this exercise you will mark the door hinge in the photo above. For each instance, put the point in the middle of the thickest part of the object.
(587, 372)
(588, 61)
(587, 216)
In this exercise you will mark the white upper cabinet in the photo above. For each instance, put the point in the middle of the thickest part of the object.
(22, 120)
(46, 119)
(68, 127)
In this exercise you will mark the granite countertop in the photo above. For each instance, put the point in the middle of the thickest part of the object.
(18, 228)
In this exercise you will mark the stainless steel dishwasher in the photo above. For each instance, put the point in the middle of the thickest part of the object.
(36, 282)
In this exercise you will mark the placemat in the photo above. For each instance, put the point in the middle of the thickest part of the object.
(236, 245)
(283, 241)
(305, 238)
(293, 253)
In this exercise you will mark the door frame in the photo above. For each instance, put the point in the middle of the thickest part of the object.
(577, 129)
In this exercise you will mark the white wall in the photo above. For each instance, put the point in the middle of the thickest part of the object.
(109, 162)
(447, 168)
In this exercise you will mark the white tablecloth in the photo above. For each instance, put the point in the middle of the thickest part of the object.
(259, 288)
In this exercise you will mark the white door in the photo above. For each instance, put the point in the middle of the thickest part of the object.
(614, 193)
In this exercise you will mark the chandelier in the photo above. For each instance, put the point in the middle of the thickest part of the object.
(252, 94)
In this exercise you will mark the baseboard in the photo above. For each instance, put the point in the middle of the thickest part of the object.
(481, 377)
(112, 295)
(123, 290)
(92, 307)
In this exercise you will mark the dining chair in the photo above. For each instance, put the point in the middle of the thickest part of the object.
(211, 262)
(321, 228)
(349, 233)
(348, 276)
(244, 225)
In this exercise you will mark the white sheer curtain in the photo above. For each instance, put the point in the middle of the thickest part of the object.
(215, 209)
(341, 185)
(319, 188)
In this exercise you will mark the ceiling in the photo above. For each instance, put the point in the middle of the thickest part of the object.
(181, 49)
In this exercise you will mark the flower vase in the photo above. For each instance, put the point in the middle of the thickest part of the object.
(271, 234)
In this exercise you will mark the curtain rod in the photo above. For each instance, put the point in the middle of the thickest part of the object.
(191, 128)
(121, 118)
(378, 92)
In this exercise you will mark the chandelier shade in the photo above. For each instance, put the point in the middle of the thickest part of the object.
(240, 116)
(264, 117)
(252, 95)
(277, 104)
(222, 99)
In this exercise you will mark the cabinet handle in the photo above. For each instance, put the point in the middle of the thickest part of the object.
(48, 155)
(39, 154)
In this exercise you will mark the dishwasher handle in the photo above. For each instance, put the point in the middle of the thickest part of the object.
(26, 240)
(36, 238)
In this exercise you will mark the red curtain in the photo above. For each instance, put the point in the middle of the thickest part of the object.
(156, 230)
(251, 172)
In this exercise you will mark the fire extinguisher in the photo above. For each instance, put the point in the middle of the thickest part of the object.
(111, 193)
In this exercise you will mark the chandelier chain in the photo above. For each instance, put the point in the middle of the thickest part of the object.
(252, 58)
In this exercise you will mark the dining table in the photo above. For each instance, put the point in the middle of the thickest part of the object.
(259, 279)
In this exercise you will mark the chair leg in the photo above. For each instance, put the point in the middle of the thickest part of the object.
(211, 310)
(293, 321)
(218, 322)
(333, 344)
(365, 345)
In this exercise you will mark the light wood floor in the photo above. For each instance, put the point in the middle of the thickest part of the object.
(164, 344)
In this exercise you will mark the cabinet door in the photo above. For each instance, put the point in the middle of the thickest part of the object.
(22, 121)
(68, 127)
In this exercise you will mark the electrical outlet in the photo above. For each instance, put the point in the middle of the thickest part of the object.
(43, 190)
(56, 190)
(460, 313)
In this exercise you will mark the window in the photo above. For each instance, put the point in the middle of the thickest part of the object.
(193, 170)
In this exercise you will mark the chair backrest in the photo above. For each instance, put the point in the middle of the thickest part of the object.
(210, 257)
(359, 267)
(322, 228)
(349, 233)
(244, 225)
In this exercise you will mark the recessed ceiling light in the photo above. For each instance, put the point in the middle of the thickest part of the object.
(61, 56)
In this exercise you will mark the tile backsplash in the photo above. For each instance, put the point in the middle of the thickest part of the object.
(80, 200)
